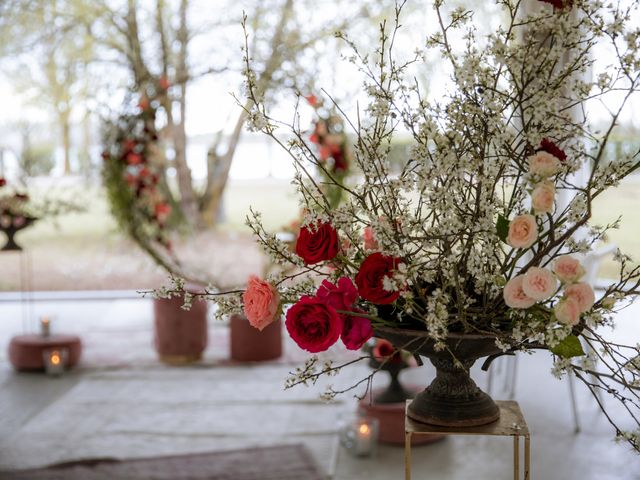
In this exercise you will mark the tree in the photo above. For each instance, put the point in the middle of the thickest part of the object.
(152, 43)
(46, 57)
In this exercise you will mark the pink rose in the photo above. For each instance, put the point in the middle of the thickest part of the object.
(514, 295)
(523, 231)
(539, 283)
(567, 311)
(261, 302)
(543, 164)
(543, 197)
(341, 296)
(370, 242)
(583, 294)
(356, 331)
(568, 269)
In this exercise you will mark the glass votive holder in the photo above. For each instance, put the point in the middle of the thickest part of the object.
(359, 435)
(45, 326)
(55, 360)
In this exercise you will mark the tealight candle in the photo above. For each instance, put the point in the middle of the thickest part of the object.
(364, 439)
(360, 435)
(55, 361)
(45, 326)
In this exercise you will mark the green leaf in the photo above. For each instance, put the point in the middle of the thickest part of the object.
(502, 227)
(569, 347)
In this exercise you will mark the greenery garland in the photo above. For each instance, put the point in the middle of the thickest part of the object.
(134, 177)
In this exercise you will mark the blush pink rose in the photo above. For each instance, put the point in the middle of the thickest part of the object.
(523, 231)
(539, 283)
(583, 294)
(370, 242)
(261, 302)
(514, 295)
(544, 165)
(568, 269)
(567, 311)
(543, 197)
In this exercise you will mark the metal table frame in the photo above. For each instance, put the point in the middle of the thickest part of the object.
(510, 424)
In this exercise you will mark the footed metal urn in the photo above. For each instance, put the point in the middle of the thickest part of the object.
(452, 399)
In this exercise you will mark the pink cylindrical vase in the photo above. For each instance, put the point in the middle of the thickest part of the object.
(180, 335)
(248, 344)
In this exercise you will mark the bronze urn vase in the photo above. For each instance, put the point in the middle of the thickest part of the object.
(452, 399)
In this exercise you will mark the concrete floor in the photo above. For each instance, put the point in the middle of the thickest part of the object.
(122, 403)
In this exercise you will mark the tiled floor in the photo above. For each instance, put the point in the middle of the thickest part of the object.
(123, 403)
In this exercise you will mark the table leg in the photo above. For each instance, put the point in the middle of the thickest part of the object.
(516, 457)
(527, 458)
(407, 456)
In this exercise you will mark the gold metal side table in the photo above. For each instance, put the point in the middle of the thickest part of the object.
(510, 424)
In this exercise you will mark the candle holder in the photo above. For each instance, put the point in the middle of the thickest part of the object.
(55, 361)
(359, 435)
(45, 326)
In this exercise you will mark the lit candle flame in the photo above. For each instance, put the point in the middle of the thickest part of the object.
(55, 359)
(364, 429)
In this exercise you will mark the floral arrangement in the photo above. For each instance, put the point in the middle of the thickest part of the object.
(383, 352)
(15, 209)
(333, 151)
(133, 176)
(470, 236)
(18, 207)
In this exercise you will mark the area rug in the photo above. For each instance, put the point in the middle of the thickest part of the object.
(283, 462)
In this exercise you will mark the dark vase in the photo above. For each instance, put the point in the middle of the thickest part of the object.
(11, 230)
(452, 399)
(395, 392)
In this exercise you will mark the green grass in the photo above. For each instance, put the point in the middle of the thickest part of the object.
(624, 201)
(277, 202)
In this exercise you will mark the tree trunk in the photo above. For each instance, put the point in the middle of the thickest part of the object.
(85, 155)
(66, 142)
(188, 201)
(218, 168)
(220, 165)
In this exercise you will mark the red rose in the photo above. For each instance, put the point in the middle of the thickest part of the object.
(3, 182)
(340, 163)
(324, 152)
(162, 211)
(341, 296)
(315, 245)
(370, 278)
(384, 351)
(164, 83)
(548, 146)
(313, 324)
(559, 4)
(356, 331)
(133, 159)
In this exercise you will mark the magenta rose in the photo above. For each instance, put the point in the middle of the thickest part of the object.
(317, 243)
(370, 278)
(313, 324)
(356, 331)
(341, 296)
